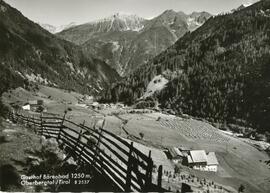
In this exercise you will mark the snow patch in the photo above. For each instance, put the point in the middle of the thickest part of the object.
(137, 29)
(157, 84)
(192, 22)
(37, 78)
(131, 22)
(55, 29)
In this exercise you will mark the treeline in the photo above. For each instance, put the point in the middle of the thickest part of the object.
(8, 80)
(220, 72)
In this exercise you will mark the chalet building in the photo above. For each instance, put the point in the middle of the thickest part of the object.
(199, 160)
(184, 150)
(26, 107)
(175, 155)
(33, 105)
(212, 162)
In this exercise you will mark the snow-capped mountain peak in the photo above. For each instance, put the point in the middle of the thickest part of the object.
(120, 22)
(244, 5)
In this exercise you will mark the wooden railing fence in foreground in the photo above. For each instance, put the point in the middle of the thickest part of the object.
(127, 167)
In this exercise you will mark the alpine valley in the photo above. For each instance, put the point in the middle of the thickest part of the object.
(176, 103)
(30, 53)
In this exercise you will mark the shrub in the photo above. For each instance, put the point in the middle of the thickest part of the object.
(141, 135)
(3, 110)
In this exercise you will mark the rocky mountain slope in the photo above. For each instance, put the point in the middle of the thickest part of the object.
(127, 41)
(219, 72)
(28, 53)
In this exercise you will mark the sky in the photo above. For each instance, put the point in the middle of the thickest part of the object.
(61, 12)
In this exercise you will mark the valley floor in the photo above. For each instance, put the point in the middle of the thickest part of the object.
(239, 162)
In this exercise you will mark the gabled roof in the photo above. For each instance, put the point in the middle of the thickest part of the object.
(212, 159)
(198, 156)
(34, 102)
(184, 148)
(175, 153)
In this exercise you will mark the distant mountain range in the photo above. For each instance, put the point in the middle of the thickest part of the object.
(128, 41)
(28, 53)
(56, 29)
(220, 72)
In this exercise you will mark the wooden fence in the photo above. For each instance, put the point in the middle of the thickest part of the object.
(127, 167)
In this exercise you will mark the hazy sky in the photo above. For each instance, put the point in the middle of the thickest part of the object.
(59, 12)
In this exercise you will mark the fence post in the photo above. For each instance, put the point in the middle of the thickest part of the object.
(97, 147)
(17, 117)
(27, 122)
(149, 171)
(129, 169)
(99, 137)
(10, 116)
(82, 148)
(78, 143)
(159, 179)
(33, 120)
(61, 126)
(41, 123)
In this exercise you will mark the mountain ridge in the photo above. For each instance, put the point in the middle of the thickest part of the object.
(135, 43)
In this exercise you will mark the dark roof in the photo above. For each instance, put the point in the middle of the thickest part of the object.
(175, 153)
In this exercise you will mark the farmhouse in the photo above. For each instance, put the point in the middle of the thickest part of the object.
(35, 105)
(199, 160)
(175, 155)
(184, 150)
(36, 102)
(26, 107)
(212, 162)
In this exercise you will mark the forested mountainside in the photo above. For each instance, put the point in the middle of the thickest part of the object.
(127, 41)
(28, 53)
(220, 72)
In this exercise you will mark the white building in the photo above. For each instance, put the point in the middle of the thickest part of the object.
(26, 107)
(199, 160)
(175, 155)
(212, 162)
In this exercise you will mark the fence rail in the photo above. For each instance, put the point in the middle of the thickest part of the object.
(126, 166)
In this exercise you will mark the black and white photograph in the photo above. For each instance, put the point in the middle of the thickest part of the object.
(135, 96)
